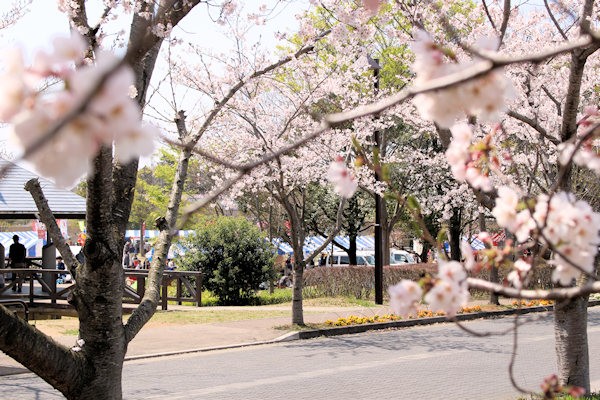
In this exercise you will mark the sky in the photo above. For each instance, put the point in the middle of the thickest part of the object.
(44, 21)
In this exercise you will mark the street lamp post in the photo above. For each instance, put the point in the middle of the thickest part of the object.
(374, 65)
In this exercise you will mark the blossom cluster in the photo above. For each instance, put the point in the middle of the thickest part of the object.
(569, 226)
(450, 292)
(405, 297)
(341, 177)
(471, 162)
(482, 97)
(110, 117)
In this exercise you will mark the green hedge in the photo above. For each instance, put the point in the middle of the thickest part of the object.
(359, 282)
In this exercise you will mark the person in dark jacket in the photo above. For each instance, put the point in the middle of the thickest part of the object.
(17, 259)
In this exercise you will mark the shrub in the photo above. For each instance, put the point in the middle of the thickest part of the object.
(233, 256)
(359, 282)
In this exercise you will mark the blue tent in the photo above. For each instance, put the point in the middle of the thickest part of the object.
(475, 243)
(29, 239)
(313, 242)
(149, 233)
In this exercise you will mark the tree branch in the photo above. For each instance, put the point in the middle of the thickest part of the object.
(554, 21)
(533, 124)
(41, 354)
(535, 294)
(332, 234)
(46, 216)
(491, 62)
(505, 18)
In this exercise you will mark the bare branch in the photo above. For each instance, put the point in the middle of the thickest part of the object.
(41, 354)
(46, 216)
(554, 21)
(533, 124)
(234, 89)
(492, 61)
(553, 99)
(535, 294)
(505, 18)
(192, 208)
(331, 235)
(489, 16)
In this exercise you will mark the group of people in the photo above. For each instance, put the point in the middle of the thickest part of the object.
(133, 259)
(131, 250)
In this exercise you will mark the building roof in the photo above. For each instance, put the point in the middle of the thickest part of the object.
(17, 203)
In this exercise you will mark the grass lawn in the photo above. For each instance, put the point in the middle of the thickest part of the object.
(206, 315)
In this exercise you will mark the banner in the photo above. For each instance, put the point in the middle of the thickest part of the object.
(39, 227)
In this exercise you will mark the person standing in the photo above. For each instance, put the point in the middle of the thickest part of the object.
(61, 266)
(16, 259)
(322, 260)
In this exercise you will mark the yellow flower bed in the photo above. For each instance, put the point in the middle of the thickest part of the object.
(354, 320)
(532, 303)
(472, 309)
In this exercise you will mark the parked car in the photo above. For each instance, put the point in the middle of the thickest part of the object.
(341, 258)
(399, 257)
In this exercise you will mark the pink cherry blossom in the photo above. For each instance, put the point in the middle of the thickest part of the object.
(404, 297)
(505, 210)
(111, 116)
(342, 179)
(447, 296)
(452, 271)
(484, 97)
(519, 276)
(137, 141)
(372, 5)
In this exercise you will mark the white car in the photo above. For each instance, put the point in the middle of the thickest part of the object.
(341, 259)
(399, 257)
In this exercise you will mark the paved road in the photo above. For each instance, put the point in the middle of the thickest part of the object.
(430, 362)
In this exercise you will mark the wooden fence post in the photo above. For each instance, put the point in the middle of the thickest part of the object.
(179, 290)
(199, 290)
(165, 293)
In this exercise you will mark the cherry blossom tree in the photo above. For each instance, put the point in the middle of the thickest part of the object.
(491, 102)
(465, 81)
(91, 124)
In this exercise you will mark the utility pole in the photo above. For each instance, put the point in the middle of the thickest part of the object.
(374, 65)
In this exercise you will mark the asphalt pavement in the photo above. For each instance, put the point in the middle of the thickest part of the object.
(439, 361)
(174, 339)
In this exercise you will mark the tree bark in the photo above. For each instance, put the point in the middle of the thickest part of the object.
(570, 317)
(352, 248)
(570, 331)
(99, 291)
(455, 232)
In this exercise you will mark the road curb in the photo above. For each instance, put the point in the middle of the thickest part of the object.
(351, 329)
(347, 330)
(335, 331)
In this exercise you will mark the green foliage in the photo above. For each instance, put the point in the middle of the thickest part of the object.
(234, 257)
(154, 184)
(264, 297)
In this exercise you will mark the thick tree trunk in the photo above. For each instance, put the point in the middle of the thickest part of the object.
(454, 229)
(297, 308)
(386, 233)
(99, 291)
(570, 317)
(494, 299)
(570, 331)
(352, 249)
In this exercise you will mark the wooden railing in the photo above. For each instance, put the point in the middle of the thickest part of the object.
(188, 287)
(40, 284)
